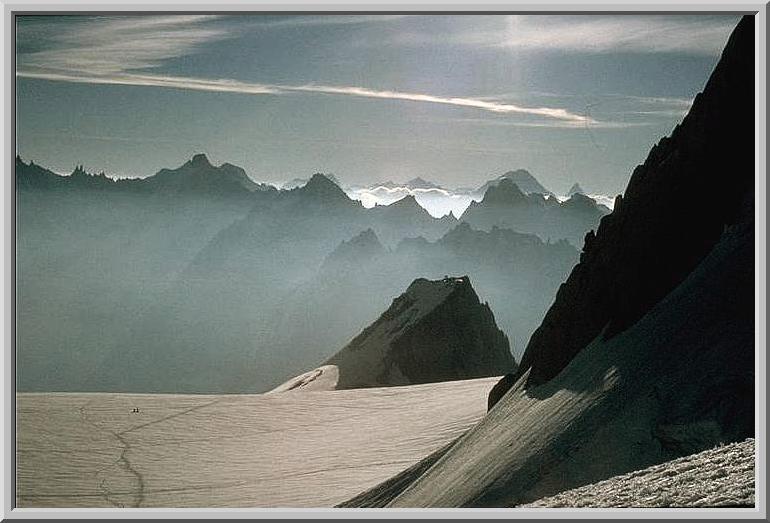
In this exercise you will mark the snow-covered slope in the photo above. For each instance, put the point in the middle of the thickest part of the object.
(324, 377)
(303, 449)
(678, 381)
(720, 477)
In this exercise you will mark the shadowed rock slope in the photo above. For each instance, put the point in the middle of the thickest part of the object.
(435, 331)
(667, 365)
(670, 216)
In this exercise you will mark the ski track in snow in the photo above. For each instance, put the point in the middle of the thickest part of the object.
(298, 449)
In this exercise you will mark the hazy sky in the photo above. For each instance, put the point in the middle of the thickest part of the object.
(453, 99)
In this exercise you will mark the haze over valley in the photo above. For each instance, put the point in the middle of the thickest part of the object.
(386, 261)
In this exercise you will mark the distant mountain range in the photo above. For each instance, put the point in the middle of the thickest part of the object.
(506, 205)
(196, 175)
(133, 255)
(203, 280)
(439, 201)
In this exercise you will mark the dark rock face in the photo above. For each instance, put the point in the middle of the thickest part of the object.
(499, 390)
(435, 331)
(673, 212)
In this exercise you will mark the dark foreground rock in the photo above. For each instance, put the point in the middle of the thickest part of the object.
(671, 215)
(648, 352)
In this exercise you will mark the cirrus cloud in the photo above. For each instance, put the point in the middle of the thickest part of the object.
(125, 50)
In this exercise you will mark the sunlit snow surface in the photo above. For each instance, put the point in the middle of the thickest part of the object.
(296, 449)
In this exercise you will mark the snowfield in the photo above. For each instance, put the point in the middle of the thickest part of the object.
(296, 449)
(721, 477)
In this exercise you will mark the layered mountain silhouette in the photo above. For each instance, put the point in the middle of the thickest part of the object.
(419, 183)
(296, 183)
(575, 189)
(507, 205)
(352, 253)
(95, 253)
(517, 274)
(647, 353)
(197, 175)
(414, 183)
(188, 272)
(154, 263)
(522, 178)
(435, 331)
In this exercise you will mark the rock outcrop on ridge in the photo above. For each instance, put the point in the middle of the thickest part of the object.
(435, 331)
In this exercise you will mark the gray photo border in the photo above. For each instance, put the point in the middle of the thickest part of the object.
(12, 8)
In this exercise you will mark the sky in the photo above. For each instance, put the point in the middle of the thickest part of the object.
(453, 99)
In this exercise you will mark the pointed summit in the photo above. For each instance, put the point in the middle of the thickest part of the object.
(435, 331)
(199, 175)
(362, 247)
(575, 189)
(322, 188)
(527, 183)
(407, 202)
(320, 182)
(200, 160)
(579, 200)
(506, 192)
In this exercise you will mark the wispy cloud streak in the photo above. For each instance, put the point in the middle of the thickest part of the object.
(485, 105)
(322, 20)
(120, 51)
(146, 80)
(234, 86)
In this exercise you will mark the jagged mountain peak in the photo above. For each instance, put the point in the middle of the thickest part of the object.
(579, 199)
(200, 160)
(437, 330)
(199, 175)
(321, 186)
(361, 248)
(407, 202)
(506, 192)
(366, 237)
(575, 189)
(320, 180)
(526, 182)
